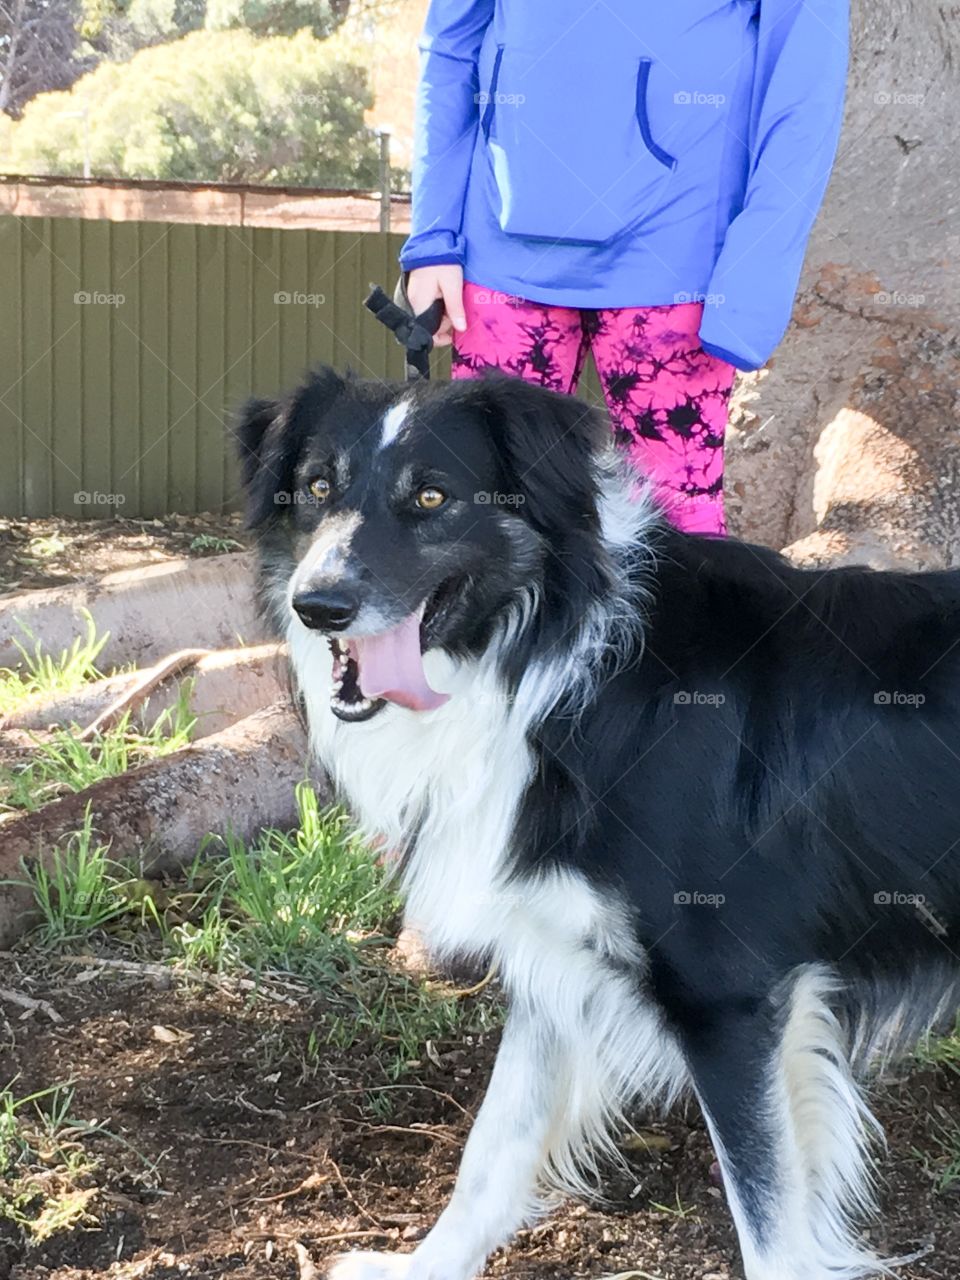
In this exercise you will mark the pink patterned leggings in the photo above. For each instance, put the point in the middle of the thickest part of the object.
(667, 397)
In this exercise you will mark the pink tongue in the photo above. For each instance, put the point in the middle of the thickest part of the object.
(391, 666)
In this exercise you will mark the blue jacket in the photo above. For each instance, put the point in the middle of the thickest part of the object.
(629, 153)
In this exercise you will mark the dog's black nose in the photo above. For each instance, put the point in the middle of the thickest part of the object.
(331, 609)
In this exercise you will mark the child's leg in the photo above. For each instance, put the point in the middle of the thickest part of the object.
(530, 340)
(669, 401)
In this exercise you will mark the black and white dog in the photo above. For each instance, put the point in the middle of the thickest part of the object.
(703, 807)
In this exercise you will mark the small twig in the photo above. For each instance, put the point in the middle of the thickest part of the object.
(340, 1235)
(352, 1198)
(906, 1259)
(310, 1183)
(149, 681)
(463, 993)
(345, 1093)
(150, 969)
(146, 968)
(274, 1112)
(29, 1003)
(427, 1131)
(632, 1275)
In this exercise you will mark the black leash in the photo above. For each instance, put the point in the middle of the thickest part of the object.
(414, 333)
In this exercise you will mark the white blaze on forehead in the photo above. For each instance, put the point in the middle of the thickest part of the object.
(327, 555)
(393, 422)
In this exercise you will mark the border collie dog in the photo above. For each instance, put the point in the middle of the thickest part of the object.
(702, 807)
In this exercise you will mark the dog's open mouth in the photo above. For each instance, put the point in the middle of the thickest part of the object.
(370, 671)
(347, 700)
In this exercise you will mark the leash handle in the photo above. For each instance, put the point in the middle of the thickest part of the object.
(414, 333)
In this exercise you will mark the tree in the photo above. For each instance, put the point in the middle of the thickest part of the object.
(276, 17)
(39, 49)
(850, 443)
(217, 106)
(119, 28)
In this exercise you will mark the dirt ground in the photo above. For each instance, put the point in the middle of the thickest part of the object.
(54, 551)
(236, 1143)
(235, 1138)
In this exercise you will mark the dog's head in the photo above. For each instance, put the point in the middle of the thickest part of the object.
(404, 518)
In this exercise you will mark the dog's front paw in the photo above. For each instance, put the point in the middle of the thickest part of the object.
(371, 1266)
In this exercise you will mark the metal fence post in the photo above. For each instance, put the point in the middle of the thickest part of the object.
(384, 180)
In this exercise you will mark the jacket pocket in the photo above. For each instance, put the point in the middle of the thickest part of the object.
(643, 118)
(486, 119)
(570, 154)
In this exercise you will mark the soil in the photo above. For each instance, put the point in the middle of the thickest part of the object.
(232, 1140)
(53, 551)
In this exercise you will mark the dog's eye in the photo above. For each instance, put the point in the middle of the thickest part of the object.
(319, 489)
(430, 498)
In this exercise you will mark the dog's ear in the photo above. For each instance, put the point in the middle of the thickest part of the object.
(548, 443)
(269, 435)
(248, 429)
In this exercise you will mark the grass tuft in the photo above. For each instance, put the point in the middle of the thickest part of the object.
(43, 673)
(76, 890)
(61, 762)
(45, 1174)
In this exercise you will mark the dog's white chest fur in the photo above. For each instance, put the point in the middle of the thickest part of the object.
(449, 783)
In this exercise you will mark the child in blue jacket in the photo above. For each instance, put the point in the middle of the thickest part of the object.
(634, 179)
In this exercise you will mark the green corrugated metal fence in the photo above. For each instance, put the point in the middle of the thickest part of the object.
(124, 345)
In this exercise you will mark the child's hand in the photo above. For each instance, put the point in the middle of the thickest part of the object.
(425, 284)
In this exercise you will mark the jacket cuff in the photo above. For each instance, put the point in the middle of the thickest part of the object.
(432, 247)
(744, 363)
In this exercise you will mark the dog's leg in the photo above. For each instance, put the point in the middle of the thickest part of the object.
(496, 1189)
(790, 1130)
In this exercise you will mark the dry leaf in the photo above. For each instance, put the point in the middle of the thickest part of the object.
(169, 1035)
(646, 1140)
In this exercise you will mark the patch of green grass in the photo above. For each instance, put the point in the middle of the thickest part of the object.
(313, 903)
(940, 1156)
(942, 1052)
(210, 542)
(298, 901)
(77, 890)
(46, 1181)
(45, 546)
(404, 1016)
(43, 673)
(61, 762)
(678, 1210)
